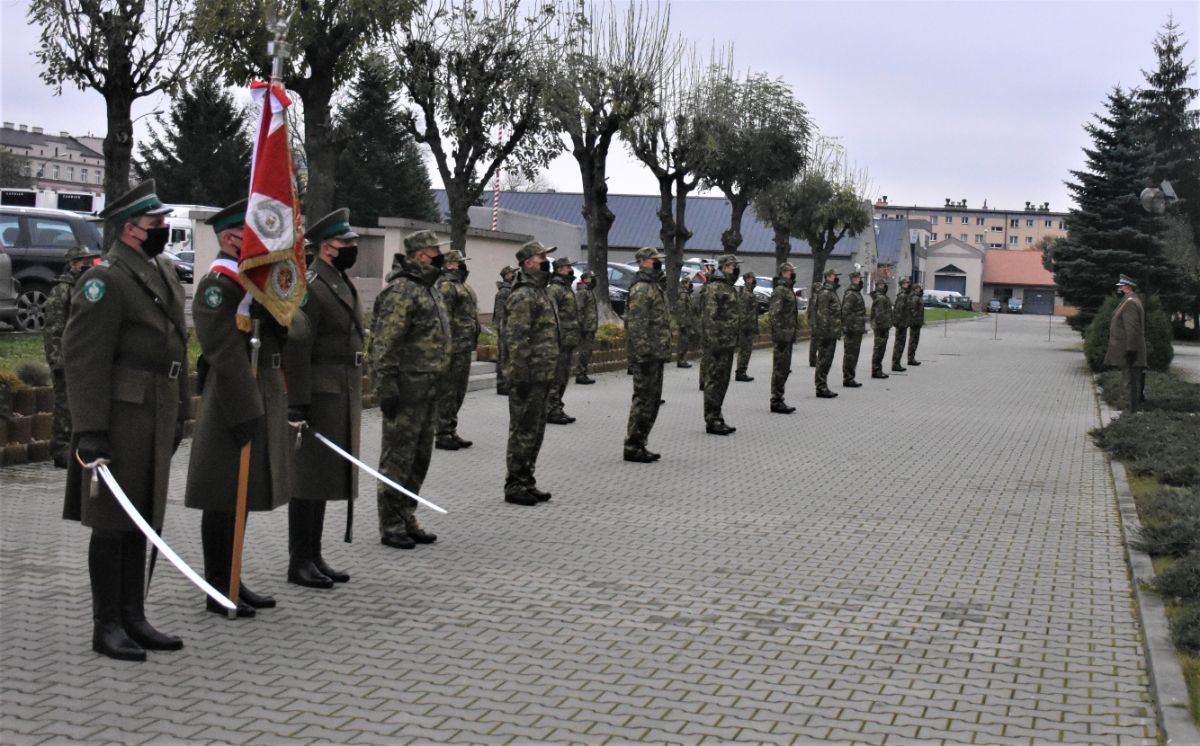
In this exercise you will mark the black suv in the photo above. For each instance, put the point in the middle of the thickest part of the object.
(37, 240)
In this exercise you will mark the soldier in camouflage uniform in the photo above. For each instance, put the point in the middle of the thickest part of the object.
(881, 325)
(854, 325)
(813, 292)
(559, 291)
(463, 308)
(685, 321)
(748, 314)
(784, 321)
(503, 289)
(720, 322)
(58, 309)
(900, 321)
(916, 320)
(589, 322)
(531, 319)
(827, 327)
(410, 353)
(648, 338)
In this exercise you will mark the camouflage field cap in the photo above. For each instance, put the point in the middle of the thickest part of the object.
(831, 272)
(881, 285)
(506, 272)
(727, 259)
(233, 216)
(905, 281)
(141, 200)
(786, 267)
(562, 261)
(587, 275)
(333, 227)
(649, 252)
(79, 252)
(532, 249)
(422, 240)
(918, 289)
(855, 273)
(454, 255)
(1127, 280)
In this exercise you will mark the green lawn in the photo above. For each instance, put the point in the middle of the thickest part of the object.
(934, 315)
(20, 348)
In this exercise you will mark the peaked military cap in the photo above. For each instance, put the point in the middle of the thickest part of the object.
(562, 261)
(532, 249)
(334, 226)
(422, 240)
(79, 252)
(141, 200)
(1127, 280)
(649, 252)
(233, 216)
(455, 256)
(727, 259)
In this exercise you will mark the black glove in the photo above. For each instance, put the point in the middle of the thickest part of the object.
(243, 432)
(178, 437)
(1130, 357)
(390, 405)
(93, 446)
(297, 414)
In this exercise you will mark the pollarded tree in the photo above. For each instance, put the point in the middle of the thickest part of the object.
(474, 75)
(14, 171)
(778, 206)
(831, 201)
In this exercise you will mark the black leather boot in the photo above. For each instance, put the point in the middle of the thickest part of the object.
(301, 570)
(216, 537)
(133, 609)
(109, 637)
(318, 528)
(255, 600)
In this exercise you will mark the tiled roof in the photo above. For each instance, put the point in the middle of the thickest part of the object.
(15, 138)
(1009, 267)
(637, 225)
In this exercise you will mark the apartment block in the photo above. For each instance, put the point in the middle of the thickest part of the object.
(62, 162)
(984, 227)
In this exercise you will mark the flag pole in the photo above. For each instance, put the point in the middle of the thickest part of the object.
(243, 483)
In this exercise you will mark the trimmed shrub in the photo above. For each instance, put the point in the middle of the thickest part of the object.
(1159, 350)
(1170, 522)
(610, 336)
(1165, 445)
(1181, 581)
(1163, 391)
(35, 374)
(1185, 628)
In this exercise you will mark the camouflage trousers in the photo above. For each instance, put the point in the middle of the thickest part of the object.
(406, 448)
(781, 367)
(527, 409)
(745, 345)
(453, 391)
(60, 440)
(501, 359)
(825, 351)
(715, 369)
(643, 411)
(898, 345)
(914, 339)
(851, 344)
(584, 359)
(879, 352)
(562, 373)
(685, 344)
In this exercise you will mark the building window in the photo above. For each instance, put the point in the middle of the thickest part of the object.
(25, 168)
(1049, 223)
(995, 246)
(962, 237)
(99, 177)
(70, 173)
(997, 229)
(966, 220)
(978, 238)
(1013, 240)
(978, 221)
(83, 175)
(1060, 225)
(1014, 223)
(934, 237)
(933, 220)
(1029, 223)
(1029, 239)
(54, 171)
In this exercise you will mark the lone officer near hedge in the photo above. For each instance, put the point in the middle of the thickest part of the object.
(720, 324)
(589, 322)
(748, 329)
(900, 321)
(410, 353)
(125, 360)
(916, 320)
(237, 407)
(1127, 340)
(324, 370)
(58, 310)
(463, 307)
(854, 325)
(648, 338)
(827, 328)
(531, 321)
(560, 293)
(784, 321)
(503, 290)
(881, 325)
(685, 321)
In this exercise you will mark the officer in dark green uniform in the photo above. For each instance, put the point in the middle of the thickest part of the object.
(916, 320)
(559, 291)
(463, 307)
(531, 321)
(784, 322)
(900, 321)
(589, 322)
(748, 329)
(854, 325)
(720, 323)
(881, 325)
(503, 290)
(685, 321)
(58, 310)
(827, 327)
(238, 406)
(125, 360)
(648, 337)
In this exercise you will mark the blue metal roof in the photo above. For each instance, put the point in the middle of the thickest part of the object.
(891, 239)
(637, 225)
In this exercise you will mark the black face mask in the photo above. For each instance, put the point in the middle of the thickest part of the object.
(544, 266)
(837, 281)
(437, 261)
(346, 258)
(155, 241)
(657, 265)
(463, 272)
(570, 276)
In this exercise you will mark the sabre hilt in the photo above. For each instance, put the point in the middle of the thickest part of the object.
(255, 343)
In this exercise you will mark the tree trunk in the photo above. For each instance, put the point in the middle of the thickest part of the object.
(460, 219)
(118, 150)
(319, 147)
(597, 216)
(682, 234)
(666, 233)
(731, 239)
(783, 243)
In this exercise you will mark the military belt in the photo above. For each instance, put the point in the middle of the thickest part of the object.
(353, 359)
(171, 369)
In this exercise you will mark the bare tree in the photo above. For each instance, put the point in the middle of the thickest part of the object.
(122, 49)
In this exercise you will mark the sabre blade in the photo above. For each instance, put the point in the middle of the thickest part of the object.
(339, 451)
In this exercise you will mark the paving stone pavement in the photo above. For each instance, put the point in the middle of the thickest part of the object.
(931, 558)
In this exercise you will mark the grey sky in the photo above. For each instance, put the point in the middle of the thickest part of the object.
(966, 100)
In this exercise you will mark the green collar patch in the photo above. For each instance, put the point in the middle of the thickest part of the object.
(93, 289)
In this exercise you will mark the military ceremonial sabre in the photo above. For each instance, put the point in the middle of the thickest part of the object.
(239, 510)
(390, 483)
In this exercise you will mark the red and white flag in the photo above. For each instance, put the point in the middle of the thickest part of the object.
(272, 260)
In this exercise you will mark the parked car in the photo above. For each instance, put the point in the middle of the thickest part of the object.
(962, 302)
(8, 290)
(620, 277)
(994, 305)
(183, 267)
(37, 240)
(1015, 305)
(931, 301)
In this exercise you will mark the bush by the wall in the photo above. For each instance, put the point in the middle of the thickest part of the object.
(1185, 628)
(1159, 350)
(1181, 581)
(1165, 445)
(610, 336)
(1163, 391)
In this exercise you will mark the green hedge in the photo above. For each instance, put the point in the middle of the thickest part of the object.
(1165, 445)
(1159, 350)
(1163, 391)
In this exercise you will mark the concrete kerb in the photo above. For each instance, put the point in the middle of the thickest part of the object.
(1166, 675)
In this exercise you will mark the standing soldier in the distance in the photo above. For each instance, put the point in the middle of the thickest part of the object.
(126, 365)
(324, 369)
(685, 321)
(463, 308)
(648, 336)
(784, 321)
(813, 292)
(900, 321)
(238, 407)
(58, 310)
(503, 290)
(589, 322)
(748, 316)
(410, 352)
(827, 328)
(531, 320)
(720, 323)
(916, 320)
(560, 293)
(881, 325)
(1127, 340)
(706, 275)
(854, 325)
